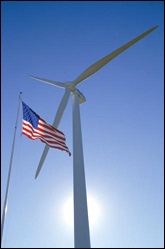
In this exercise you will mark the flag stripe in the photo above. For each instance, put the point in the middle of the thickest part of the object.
(45, 141)
(55, 144)
(35, 134)
(51, 127)
(42, 131)
(28, 134)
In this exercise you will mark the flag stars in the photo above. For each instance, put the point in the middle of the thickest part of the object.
(30, 116)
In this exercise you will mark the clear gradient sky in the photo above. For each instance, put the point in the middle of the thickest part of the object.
(122, 120)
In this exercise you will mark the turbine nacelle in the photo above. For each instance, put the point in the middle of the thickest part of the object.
(82, 99)
(71, 87)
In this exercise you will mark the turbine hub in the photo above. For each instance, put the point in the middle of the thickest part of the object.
(69, 85)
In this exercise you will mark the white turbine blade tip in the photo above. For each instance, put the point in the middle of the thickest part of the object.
(99, 64)
(55, 83)
(36, 175)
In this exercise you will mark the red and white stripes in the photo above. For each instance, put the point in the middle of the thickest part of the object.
(46, 133)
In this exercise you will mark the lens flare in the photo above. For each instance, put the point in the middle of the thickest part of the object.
(93, 211)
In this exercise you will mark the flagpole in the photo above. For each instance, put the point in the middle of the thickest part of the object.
(9, 173)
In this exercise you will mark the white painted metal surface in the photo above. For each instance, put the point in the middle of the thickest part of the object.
(56, 122)
(55, 83)
(81, 224)
(99, 64)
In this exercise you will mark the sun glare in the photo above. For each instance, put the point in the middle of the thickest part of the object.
(93, 211)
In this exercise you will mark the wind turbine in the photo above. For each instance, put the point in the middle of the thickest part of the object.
(81, 224)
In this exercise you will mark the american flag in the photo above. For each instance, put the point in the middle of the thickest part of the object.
(35, 127)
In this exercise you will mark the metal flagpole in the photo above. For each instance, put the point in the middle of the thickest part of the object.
(9, 173)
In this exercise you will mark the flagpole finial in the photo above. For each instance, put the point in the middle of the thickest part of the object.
(20, 94)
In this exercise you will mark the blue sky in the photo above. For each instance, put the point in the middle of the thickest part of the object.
(122, 120)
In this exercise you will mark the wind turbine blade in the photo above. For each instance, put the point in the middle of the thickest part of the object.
(55, 83)
(99, 64)
(44, 154)
(56, 122)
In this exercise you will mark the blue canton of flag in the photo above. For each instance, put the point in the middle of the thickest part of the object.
(30, 116)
